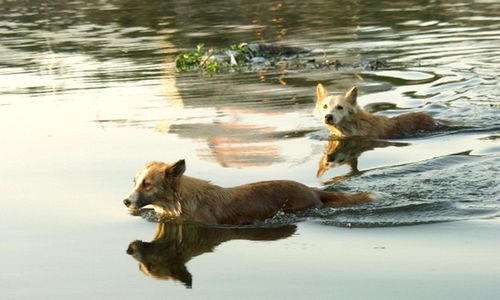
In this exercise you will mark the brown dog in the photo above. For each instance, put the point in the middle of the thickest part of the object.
(344, 118)
(172, 194)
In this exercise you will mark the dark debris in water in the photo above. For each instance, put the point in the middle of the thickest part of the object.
(253, 56)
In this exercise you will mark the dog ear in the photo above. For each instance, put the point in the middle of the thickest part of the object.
(352, 95)
(181, 273)
(177, 169)
(322, 169)
(321, 92)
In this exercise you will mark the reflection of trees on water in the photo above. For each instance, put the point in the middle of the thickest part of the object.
(125, 40)
(91, 26)
(233, 144)
(174, 245)
(237, 142)
(126, 29)
(234, 117)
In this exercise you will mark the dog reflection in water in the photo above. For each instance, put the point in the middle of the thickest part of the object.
(175, 244)
(346, 151)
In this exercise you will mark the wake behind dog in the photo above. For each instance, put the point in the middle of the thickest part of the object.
(171, 193)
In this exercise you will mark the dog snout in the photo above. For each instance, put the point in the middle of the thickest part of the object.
(328, 119)
(134, 247)
(126, 202)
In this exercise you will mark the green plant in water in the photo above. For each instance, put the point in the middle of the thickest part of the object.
(233, 57)
(241, 48)
(212, 67)
(188, 59)
(205, 59)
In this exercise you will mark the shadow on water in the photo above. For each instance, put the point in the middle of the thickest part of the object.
(174, 245)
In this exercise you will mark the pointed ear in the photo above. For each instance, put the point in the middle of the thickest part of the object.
(177, 169)
(181, 273)
(321, 92)
(352, 95)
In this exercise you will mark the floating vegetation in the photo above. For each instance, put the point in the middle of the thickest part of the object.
(234, 57)
(257, 57)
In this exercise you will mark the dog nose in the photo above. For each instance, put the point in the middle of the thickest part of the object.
(126, 202)
(328, 118)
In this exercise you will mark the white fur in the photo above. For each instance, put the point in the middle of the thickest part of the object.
(134, 194)
(333, 103)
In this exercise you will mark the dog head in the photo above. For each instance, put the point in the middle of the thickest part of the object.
(155, 184)
(162, 260)
(334, 110)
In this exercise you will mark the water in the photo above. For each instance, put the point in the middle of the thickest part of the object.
(89, 94)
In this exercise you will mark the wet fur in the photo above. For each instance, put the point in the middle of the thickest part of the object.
(174, 245)
(344, 118)
(173, 194)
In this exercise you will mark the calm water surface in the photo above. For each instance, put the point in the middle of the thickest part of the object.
(90, 93)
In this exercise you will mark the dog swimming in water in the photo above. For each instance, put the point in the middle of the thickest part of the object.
(172, 194)
(345, 118)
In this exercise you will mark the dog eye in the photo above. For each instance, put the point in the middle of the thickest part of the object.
(325, 106)
(340, 107)
(145, 184)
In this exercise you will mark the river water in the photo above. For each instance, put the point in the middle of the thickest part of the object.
(90, 93)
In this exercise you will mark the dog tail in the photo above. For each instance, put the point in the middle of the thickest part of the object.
(340, 199)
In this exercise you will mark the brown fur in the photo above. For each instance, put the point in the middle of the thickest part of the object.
(175, 245)
(346, 151)
(171, 193)
(344, 117)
